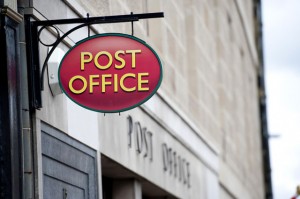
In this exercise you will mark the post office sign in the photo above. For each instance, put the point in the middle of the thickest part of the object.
(110, 72)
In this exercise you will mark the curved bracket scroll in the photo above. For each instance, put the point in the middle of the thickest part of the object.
(55, 44)
(32, 39)
(60, 39)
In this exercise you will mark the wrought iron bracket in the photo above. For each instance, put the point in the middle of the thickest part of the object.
(33, 31)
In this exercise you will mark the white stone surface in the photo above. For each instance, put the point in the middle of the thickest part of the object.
(83, 124)
(207, 106)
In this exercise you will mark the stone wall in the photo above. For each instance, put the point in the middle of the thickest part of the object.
(210, 75)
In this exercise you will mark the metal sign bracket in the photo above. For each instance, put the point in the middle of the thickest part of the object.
(34, 29)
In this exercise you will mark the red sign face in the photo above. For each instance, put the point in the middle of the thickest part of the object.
(110, 72)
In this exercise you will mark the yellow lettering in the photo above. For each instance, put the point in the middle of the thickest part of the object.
(115, 83)
(124, 88)
(104, 82)
(92, 83)
(140, 81)
(120, 59)
(109, 60)
(83, 60)
(83, 87)
(133, 57)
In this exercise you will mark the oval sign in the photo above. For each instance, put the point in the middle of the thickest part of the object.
(110, 72)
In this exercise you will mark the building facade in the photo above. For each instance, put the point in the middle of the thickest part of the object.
(203, 135)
